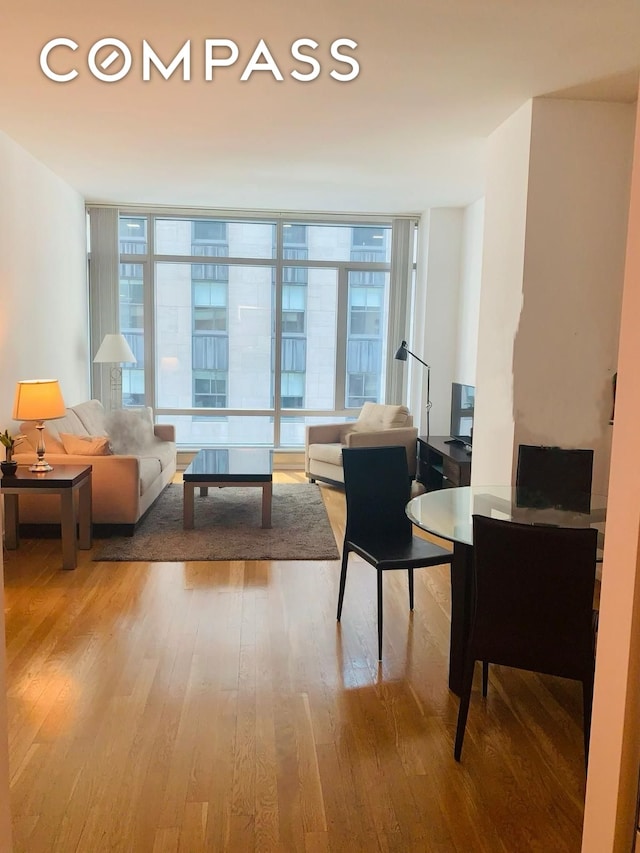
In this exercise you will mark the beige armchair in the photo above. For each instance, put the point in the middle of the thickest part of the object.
(378, 425)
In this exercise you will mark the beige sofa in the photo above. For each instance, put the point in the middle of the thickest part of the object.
(378, 425)
(124, 485)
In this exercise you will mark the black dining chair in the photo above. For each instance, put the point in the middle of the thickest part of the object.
(532, 609)
(377, 489)
(554, 477)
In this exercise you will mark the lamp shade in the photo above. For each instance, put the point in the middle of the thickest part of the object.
(114, 349)
(401, 353)
(38, 400)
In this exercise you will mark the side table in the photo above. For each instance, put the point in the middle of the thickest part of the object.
(64, 480)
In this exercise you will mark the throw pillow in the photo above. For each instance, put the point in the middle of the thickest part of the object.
(130, 431)
(85, 445)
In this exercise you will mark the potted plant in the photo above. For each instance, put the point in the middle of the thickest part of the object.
(8, 465)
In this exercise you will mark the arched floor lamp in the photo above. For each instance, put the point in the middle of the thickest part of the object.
(401, 355)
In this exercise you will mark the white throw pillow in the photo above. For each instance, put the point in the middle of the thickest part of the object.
(130, 431)
(85, 445)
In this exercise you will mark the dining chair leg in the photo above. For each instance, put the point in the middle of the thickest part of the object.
(485, 676)
(463, 711)
(379, 573)
(343, 580)
(410, 573)
(587, 701)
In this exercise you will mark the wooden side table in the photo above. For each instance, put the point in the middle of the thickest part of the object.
(64, 480)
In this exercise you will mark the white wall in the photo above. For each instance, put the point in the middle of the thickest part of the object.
(442, 308)
(43, 322)
(434, 334)
(445, 309)
(555, 225)
(501, 296)
(469, 298)
(565, 350)
(614, 754)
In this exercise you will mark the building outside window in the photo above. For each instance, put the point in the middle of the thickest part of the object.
(287, 326)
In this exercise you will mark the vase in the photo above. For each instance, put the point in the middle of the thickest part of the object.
(8, 468)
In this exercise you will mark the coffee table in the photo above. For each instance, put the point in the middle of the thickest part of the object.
(63, 480)
(228, 466)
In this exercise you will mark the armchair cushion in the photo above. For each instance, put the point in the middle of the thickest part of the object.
(380, 416)
(330, 453)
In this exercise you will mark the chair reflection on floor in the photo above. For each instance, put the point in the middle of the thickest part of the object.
(377, 490)
(534, 588)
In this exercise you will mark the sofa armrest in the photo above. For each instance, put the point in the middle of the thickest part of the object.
(323, 434)
(405, 436)
(116, 479)
(326, 433)
(165, 432)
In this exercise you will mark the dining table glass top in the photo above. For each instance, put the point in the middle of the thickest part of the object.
(448, 513)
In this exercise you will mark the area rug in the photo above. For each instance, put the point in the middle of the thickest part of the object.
(227, 527)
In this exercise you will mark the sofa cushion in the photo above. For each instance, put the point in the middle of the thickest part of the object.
(149, 470)
(86, 445)
(331, 453)
(163, 451)
(92, 416)
(130, 431)
(378, 416)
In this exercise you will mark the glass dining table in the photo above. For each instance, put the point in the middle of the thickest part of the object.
(448, 514)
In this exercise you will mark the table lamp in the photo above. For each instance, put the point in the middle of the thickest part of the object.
(115, 350)
(38, 400)
(401, 355)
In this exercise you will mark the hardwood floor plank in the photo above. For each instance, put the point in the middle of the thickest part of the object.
(219, 706)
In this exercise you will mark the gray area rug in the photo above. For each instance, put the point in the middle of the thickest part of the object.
(227, 527)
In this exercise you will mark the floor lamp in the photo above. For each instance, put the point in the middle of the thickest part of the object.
(401, 354)
(115, 350)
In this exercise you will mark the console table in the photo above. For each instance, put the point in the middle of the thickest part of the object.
(441, 464)
(63, 480)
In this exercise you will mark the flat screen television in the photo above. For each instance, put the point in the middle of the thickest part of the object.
(462, 405)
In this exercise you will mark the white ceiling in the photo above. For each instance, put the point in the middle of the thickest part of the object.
(436, 77)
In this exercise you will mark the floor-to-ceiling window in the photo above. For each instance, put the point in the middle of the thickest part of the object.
(247, 329)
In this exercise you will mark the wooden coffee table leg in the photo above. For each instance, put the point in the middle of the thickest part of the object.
(188, 490)
(267, 492)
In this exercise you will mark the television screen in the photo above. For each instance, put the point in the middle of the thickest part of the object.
(462, 404)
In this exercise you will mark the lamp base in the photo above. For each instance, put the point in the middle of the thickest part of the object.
(41, 466)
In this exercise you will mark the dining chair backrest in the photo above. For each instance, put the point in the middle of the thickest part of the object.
(554, 477)
(534, 587)
(377, 489)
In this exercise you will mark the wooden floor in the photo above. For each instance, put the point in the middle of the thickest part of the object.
(220, 707)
